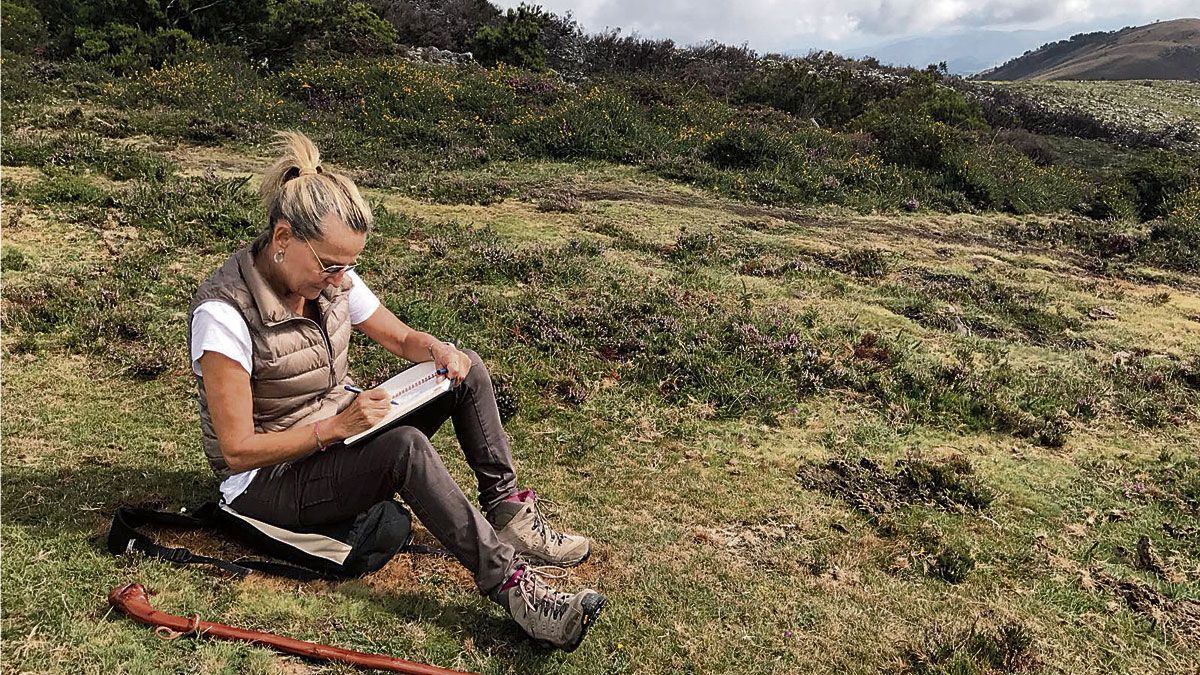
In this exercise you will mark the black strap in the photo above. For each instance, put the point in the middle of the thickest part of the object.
(124, 537)
(427, 550)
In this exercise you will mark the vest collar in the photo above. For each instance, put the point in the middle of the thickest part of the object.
(270, 307)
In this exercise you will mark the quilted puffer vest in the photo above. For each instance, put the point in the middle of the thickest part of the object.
(299, 365)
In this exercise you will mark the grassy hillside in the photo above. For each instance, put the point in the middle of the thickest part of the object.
(1165, 50)
(1141, 112)
(822, 410)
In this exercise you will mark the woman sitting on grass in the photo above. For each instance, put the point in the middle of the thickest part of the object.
(269, 336)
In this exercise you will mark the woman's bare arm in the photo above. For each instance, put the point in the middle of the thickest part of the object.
(398, 338)
(230, 407)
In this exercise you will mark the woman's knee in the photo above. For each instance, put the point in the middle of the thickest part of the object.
(479, 371)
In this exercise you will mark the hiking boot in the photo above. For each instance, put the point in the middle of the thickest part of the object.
(519, 522)
(551, 617)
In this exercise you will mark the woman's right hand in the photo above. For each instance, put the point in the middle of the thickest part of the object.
(364, 412)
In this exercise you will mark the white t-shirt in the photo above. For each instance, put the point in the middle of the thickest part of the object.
(218, 327)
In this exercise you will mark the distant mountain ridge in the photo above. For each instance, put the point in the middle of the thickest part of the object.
(964, 53)
(1166, 50)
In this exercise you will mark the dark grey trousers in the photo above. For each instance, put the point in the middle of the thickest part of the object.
(338, 484)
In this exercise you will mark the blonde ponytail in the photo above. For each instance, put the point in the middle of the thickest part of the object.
(297, 189)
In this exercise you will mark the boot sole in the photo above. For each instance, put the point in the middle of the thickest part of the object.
(591, 607)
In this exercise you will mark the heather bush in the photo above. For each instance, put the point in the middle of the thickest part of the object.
(913, 139)
(1156, 179)
(211, 94)
(1175, 241)
(977, 305)
(918, 145)
(717, 69)
(924, 95)
(205, 212)
(1008, 108)
(65, 189)
(121, 309)
(1034, 146)
(459, 190)
(997, 177)
(749, 147)
(609, 52)
(1109, 202)
(1008, 648)
(77, 152)
(599, 124)
(811, 88)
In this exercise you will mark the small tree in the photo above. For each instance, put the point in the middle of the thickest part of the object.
(446, 24)
(22, 26)
(516, 40)
(296, 28)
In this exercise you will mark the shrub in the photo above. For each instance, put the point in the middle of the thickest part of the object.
(307, 27)
(609, 52)
(559, 202)
(12, 260)
(601, 124)
(1007, 649)
(447, 24)
(864, 262)
(516, 40)
(949, 484)
(1108, 201)
(1156, 179)
(1000, 178)
(914, 140)
(22, 26)
(718, 69)
(459, 190)
(124, 49)
(748, 147)
(1037, 148)
(208, 212)
(952, 564)
(817, 87)
(1175, 242)
(66, 189)
(925, 95)
(78, 152)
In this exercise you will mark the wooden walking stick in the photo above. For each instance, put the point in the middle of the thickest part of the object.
(133, 601)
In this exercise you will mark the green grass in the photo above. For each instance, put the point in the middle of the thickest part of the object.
(678, 362)
(1155, 103)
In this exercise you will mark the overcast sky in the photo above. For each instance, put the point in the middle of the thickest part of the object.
(801, 25)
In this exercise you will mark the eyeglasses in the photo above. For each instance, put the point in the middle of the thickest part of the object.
(329, 270)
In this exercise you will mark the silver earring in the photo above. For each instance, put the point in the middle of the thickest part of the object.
(278, 257)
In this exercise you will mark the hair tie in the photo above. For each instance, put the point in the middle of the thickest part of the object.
(310, 172)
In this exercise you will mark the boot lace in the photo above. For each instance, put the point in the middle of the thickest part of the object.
(538, 595)
(541, 523)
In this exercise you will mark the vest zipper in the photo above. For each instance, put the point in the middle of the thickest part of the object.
(328, 348)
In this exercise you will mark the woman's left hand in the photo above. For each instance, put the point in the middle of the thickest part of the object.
(456, 363)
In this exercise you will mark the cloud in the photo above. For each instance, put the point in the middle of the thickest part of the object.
(770, 25)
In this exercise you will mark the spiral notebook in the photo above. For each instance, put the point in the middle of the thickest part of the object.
(410, 390)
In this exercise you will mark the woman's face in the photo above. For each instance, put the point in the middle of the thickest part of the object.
(304, 260)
